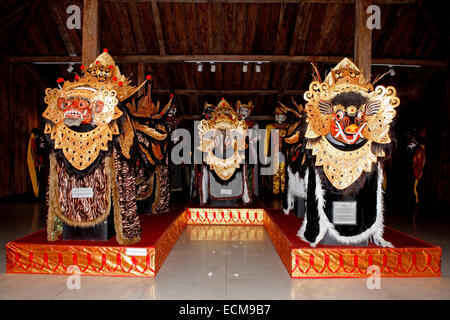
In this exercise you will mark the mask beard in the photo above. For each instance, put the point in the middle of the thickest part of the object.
(72, 122)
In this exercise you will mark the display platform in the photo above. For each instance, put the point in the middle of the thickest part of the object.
(34, 254)
(411, 257)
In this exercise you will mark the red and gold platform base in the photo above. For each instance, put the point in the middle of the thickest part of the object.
(411, 257)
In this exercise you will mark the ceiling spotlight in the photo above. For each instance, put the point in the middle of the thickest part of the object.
(213, 67)
(199, 67)
(391, 71)
(70, 68)
(258, 67)
(245, 67)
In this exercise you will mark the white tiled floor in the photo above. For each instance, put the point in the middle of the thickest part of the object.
(240, 264)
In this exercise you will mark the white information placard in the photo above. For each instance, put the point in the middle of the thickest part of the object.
(226, 191)
(136, 252)
(82, 193)
(344, 212)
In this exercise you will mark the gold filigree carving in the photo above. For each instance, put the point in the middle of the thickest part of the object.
(224, 118)
(81, 149)
(343, 168)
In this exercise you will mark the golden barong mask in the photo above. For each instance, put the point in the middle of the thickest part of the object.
(345, 110)
(223, 132)
(91, 99)
(348, 107)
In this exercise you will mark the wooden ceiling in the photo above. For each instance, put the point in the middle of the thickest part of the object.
(316, 30)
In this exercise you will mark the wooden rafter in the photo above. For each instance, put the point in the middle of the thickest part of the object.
(254, 118)
(268, 1)
(227, 92)
(270, 58)
(141, 76)
(158, 29)
(60, 24)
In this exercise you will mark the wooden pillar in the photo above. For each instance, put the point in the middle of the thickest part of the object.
(90, 32)
(363, 39)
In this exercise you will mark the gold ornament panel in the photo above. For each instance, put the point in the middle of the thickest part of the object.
(342, 168)
(378, 125)
(223, 118)
(81, 149)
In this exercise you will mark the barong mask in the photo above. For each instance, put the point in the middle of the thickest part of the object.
(221, 133)
(348, 115)
(90, 101)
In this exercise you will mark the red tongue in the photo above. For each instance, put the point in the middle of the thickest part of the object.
(335, 130)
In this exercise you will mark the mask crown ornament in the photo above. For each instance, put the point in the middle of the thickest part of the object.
(105, 70)
(146, 108)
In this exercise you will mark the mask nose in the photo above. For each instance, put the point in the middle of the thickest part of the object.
(351, 129)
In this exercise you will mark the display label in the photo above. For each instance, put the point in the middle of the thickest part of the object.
(226, 191)
(82, 193)
(137, 252)
(344, 212)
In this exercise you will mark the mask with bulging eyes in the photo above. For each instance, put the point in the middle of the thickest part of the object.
(347, 123)
(78, 110)
(280, 118)
(172, 112)
(243, 113)
(348, 113)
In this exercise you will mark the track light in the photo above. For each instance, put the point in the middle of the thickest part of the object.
(245, 67)
(213, 67)
(391, 71)
(258, 67)
(199, 67)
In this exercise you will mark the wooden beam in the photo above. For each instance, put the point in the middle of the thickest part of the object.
(254, 118)
(30, 70)
(267, 1)
(354, 1)
(141, 77)
(363, 39)
(90, 32)
(158, 29)
(226, 92)
(178, 103)
(62, 29)
(182, 58)
(30, 16)
(210, 1)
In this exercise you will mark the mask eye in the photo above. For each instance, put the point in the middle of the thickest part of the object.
(68, 103)
(360, 116)
(339, 115)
